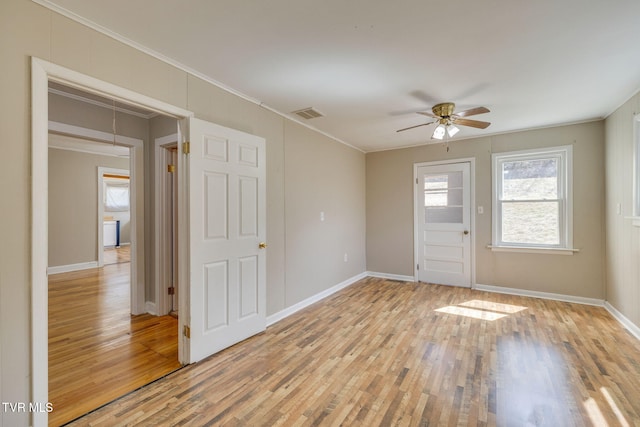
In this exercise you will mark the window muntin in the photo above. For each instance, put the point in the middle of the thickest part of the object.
(532, 203)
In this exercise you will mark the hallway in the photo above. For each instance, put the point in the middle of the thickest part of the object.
(98, 351)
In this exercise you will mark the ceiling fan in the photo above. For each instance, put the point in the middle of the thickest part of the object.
(447, 119)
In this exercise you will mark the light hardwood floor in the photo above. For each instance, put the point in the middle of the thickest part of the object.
(117, 255)
(388, 353)
(97, 350)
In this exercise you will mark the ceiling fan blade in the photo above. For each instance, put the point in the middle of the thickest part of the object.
(428, 114)
(472, 123)
(413, 127)
(472, 112)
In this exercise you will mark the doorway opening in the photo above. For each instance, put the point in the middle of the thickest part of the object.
(114, 216)
(172, 209)
(235, 212)
(166, 226)
(105, 332)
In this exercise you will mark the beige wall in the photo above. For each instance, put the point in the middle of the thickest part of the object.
(623, 239)
(73, 205)
(328, 178)
(390, 212)
(28, 29)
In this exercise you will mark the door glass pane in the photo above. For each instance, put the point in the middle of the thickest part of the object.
(531, 223)
(443, 198)
(435, 182)
(530, 179)
(443, 215)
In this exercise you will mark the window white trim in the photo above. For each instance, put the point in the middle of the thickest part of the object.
(564, 154)
(533, 250)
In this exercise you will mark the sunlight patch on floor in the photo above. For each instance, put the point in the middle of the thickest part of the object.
(484, 310)
(614, 407)
(493, 306)
(470, 312)
(595, 415)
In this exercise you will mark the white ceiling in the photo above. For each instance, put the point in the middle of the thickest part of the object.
(369, 65)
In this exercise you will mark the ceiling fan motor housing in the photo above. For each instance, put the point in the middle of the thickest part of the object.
(444, 109)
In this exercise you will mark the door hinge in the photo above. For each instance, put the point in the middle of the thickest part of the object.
(186, 331)
(417, 266)
(416, 180)
(171, 290)
(171, 168)
(186, 147)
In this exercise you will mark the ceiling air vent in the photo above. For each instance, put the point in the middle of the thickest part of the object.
(308, 113)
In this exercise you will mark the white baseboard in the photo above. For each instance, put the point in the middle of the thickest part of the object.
(537, 294)
(391, 276)
(631, 327)
(150, 307)
(72, 267)
(276, 317)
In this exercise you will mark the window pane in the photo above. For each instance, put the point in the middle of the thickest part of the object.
(443, 197)
(435, 182)
(440, 215)
(530, 179)
(445, 180)
(443, 190)
(116, 198)
(435, 198)
(531, 223)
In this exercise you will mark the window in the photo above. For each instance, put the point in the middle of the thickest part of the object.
(116, 196)
(532, 203)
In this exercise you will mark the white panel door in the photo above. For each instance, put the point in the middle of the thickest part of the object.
(443, 215)
(227, 224)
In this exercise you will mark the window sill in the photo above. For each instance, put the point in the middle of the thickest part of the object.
(635, 220)
(534, 250)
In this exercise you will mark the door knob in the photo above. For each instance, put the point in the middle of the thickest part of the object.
(262, 245)
(466, 232)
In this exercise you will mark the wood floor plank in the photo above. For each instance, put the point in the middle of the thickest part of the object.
(389, 353)
(97, 350)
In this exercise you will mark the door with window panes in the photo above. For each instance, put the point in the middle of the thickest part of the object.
(443, 203)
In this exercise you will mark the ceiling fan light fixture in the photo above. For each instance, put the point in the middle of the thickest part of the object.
(452, 130)
(438, 132)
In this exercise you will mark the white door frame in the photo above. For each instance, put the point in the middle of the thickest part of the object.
(41, 73)
(472, 204)
(162, 224)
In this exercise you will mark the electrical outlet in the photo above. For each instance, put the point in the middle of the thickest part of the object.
(480, 210)
(346, 257)
(322, 216)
